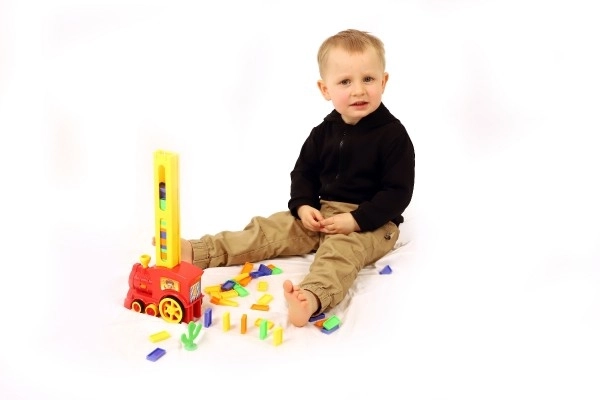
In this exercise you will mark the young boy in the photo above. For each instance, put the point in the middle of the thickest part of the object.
(352, 181)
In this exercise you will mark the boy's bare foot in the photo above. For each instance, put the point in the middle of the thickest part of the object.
(301, 303)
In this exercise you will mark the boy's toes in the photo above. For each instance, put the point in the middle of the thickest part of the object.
(288, 286)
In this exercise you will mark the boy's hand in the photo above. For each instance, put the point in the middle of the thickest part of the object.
(311, 218)
(340, 223)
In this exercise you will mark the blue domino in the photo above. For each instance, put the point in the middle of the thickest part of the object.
(263, 269)
(328, 331)
(316, 317)
(207, 317)
(156, 354)
(385, 270)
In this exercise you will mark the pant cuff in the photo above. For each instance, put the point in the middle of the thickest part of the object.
(199, 253)
(323, 298)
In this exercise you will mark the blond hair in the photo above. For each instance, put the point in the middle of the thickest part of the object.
(353, 41)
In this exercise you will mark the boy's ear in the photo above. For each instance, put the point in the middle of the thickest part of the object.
(323, 89)
(386, 76)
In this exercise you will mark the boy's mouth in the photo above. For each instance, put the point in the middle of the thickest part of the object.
(359, 103)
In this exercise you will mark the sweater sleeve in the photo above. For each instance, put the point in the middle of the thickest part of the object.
(305, 183)
(397, 186)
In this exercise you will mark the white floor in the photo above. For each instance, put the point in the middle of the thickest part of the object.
(497, 294)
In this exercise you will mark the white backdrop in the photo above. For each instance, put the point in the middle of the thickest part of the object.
(499, 97)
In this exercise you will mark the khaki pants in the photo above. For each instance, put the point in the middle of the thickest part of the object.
(338, 258)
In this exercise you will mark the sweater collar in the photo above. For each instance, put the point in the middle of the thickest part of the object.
(377, 118)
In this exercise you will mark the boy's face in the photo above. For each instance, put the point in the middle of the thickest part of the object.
(354, 82)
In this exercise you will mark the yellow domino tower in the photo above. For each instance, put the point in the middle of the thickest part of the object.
(166, 208)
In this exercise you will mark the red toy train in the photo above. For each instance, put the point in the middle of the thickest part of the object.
(171, 293)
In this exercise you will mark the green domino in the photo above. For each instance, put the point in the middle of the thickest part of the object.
(263, 329)
(331, 322)
(276, 271)
(240, 290)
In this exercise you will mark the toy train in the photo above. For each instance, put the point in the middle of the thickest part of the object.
(171, 293)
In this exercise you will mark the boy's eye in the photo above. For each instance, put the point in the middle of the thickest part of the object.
(369, 79)
(345, 82)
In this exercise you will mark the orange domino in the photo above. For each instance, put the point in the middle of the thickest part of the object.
(245, 281)
(319, 323)
(247, 268)
(244, 323)
(260, 307)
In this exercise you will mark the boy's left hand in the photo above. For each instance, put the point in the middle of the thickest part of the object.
(340, 223)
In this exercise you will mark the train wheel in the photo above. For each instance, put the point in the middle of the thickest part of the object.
(137, 306)
(171, 310)
(152, 309)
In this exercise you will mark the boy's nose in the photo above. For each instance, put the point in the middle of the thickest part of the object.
(358, 88)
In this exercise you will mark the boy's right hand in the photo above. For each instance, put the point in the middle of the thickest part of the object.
(311, 218)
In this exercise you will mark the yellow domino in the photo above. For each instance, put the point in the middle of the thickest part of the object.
(259, 320)
(265, 299)
(166, 209)
(241, 276)
(211, 289)
(225, 302)
(278, 336)
(263, 286)
(226, 322)
(157, 337)
(229, 293)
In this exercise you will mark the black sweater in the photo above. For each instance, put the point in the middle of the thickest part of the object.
(371, 164)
